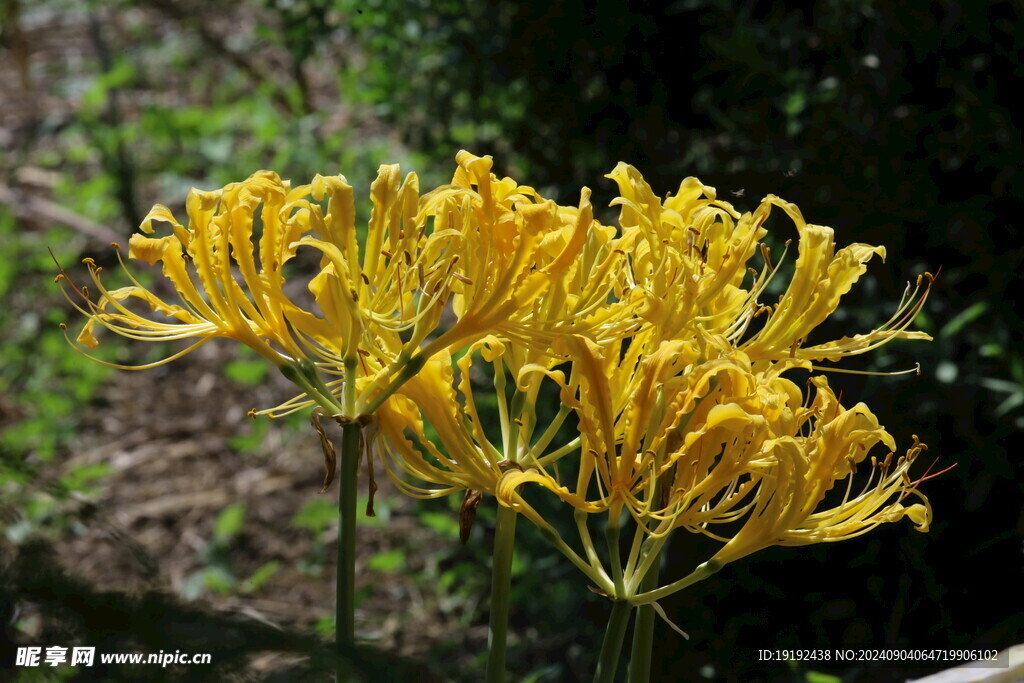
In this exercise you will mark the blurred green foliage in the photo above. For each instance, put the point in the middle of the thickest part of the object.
(316, 516)
(43, 383)
(43, 379)
(217, 574)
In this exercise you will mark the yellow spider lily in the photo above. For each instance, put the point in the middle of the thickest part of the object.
(687, 255)
(204, 261)
(688, 425)
(685, 419)
(688, 265)
(830, 445)
(778, 488)
(464, 458)
(507, 260)
(581, 260)
(821, 278)
(785, 476)
(681, 423)
(693, 435)
(229, 277)
(510, 262)
(521, 260)
(658, 399)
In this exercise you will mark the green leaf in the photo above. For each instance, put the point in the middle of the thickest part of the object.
(963, 319)
(260, 576)
(79, 477)
(519, 564)
(818, 677)
(795, 103)
(441, 523)
(1004, 386)
(251, 442)
(250, 372)
(325, 627)
(991, 350)
(229, 522)
(218, 579)
(316, 515)
(1011, 402)
(388, 561)
(122, 74)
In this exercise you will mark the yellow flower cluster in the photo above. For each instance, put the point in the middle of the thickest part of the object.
(668, 366)
(684, 419)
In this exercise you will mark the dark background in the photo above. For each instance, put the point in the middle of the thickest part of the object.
(891, 122)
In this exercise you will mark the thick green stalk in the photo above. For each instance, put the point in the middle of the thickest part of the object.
(501, 585)
(643, 629)
(345, 604)
(614, 634)
(643, 632)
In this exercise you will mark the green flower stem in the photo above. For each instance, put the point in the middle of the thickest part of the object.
(407, 369)
(614, 634)
(643, 629)
(515, 413)
(299, 376)
(345, 604)
(499, 393)
(639, 536)
(702, 572)
(595, 573)
(650, 552)
(560, 453)
(643, 632)
(349, 389)
(549, 433)
(580, 518)
(611, 537)
(501, 584)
